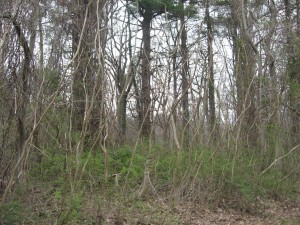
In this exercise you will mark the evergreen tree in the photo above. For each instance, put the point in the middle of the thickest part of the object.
(148, 10)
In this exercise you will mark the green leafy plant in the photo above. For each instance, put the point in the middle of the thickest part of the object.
(11, 213)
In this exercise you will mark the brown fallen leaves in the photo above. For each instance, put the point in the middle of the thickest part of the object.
(273, 213)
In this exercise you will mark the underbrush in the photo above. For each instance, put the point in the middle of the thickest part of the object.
(76, 190)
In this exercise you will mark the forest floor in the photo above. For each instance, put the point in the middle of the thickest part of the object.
(95, 209)
(272, 213)
(275, 213)
(52, 195)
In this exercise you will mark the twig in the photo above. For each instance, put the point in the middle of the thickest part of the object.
(280, 159)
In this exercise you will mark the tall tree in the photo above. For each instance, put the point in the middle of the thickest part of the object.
(184, 76)
(270, 128)
(245, 66)
(81, 51)
(293, 62)
(210, 66)
(124, 68)
(89, 36)
(23, 93)
(148, 10)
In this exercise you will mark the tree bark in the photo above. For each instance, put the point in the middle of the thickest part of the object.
(275, 98)
(81, 63)
(184, 77)
(245, 77)
(211, 79)
(145, 96)
(293, 57)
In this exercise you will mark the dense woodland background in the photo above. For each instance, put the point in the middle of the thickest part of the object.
(147, 99)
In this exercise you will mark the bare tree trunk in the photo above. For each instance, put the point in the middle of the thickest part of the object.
(211, 87)
(293, 56)
(276, 135)
(40, 77)
(145, 122)
(81, 63)
(124, 82)
(23, 95)
(245, 78)
(185, 83)
(121, 114)
(175, 92)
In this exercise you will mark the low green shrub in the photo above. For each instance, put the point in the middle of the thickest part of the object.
(11, 213)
